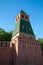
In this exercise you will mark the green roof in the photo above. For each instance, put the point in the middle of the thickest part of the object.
(22, 11)
(23, 26)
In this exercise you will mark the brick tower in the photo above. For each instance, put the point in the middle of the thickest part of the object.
(28, 51)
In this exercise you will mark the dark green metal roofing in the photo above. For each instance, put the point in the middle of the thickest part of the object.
(22, 11)
(23, 26)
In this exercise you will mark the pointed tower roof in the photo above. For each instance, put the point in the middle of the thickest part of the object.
(22, 11)
(23, 25)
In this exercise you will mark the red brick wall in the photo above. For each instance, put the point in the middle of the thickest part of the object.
(29, 52)
(42, 56)
(7, 56)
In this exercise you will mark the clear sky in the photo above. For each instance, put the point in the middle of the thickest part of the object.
(10, 8)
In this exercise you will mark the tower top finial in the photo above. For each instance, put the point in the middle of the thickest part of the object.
(22, 11)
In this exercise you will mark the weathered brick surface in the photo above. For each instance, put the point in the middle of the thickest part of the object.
(42, 55)
(7, 56)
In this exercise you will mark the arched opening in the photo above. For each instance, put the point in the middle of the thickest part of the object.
(22, 16)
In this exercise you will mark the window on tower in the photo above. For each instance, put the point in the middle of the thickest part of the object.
(26, 17)
(22, 16)
(30, 37)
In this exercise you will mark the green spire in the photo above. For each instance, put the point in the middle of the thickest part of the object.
(23, 26)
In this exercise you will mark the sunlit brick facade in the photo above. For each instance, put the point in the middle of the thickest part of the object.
(23, 48)
(27, 47)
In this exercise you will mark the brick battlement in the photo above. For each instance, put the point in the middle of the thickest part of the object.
(4, 44)
(7, 55)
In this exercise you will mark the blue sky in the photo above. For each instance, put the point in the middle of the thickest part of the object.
(10, 8)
